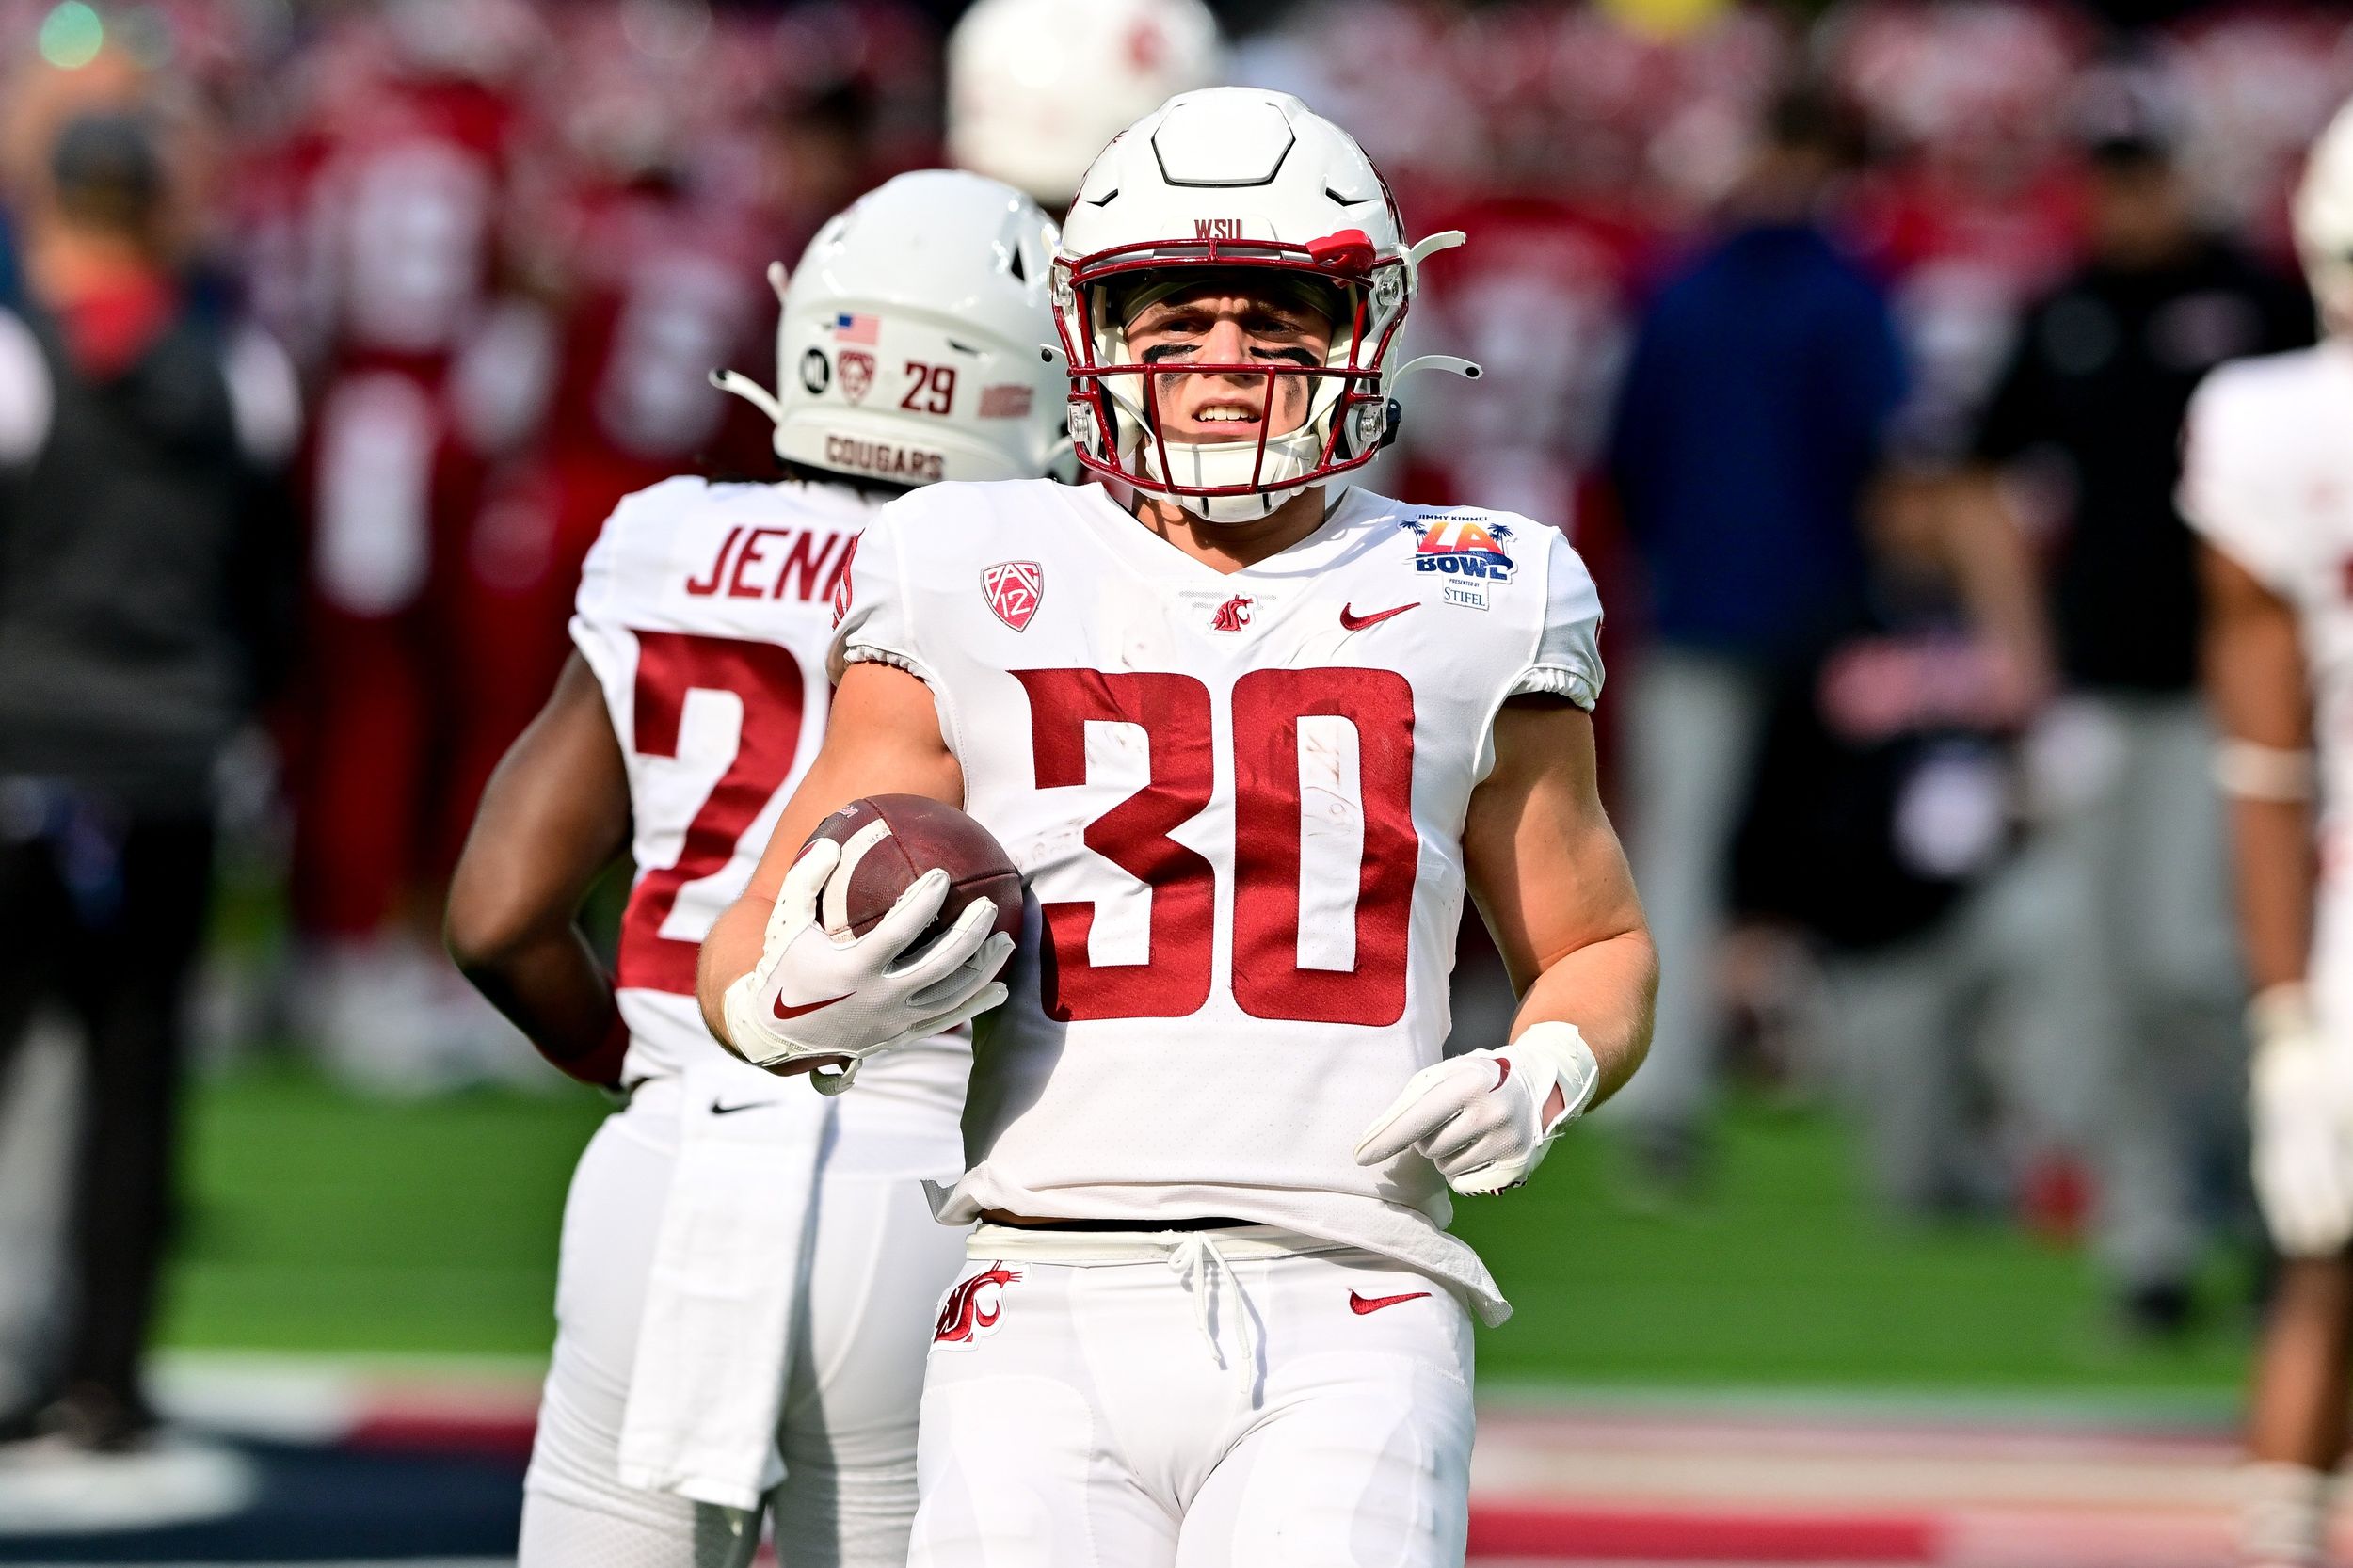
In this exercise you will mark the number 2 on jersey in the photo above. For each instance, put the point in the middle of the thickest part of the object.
(766, 679)
(1269, 791)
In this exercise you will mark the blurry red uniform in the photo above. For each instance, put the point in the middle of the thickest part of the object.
(664, 292)
(400, 251)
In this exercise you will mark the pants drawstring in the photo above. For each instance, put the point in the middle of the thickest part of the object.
(1199, 1264)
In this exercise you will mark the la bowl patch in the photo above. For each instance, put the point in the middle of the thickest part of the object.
(1466, 554)
(1466, 548)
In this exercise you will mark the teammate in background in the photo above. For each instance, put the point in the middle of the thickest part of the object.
(414, 150)
(2127, 858)
(747, 1269)
(1035, 116)
(1251, 745)
(2267, 479)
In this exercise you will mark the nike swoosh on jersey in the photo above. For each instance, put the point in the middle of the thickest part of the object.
(1362, 1304)
(1352, 622)
(719, 1110)
(783, 1012)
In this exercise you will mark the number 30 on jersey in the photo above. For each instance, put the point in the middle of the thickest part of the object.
(1269, 707)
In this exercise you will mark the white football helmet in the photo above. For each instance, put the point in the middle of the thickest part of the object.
(1230, 178)
(907, 350)
(1036, 88)
(2323, 216)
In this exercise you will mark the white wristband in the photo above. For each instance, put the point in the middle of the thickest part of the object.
(2252, 771)
(2281, 1014)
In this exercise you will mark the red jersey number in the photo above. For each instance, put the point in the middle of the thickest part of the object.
(1173, 711)
(766, 679)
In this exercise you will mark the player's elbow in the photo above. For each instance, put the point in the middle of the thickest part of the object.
(490, 924)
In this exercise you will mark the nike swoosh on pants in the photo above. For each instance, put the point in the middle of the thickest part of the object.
(1362, 1304)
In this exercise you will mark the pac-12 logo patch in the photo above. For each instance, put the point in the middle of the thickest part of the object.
(1013, 590)
(973, 1304)
(1463, 548)
(1233, 614)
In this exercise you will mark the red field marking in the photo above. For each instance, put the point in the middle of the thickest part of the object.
(484, 1435)
(1574, 1533)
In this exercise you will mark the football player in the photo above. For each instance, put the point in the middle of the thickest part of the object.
(2267, 479)
(1251, 741)
(746, 1274)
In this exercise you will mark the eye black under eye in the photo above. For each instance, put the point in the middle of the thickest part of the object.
(1296, 355)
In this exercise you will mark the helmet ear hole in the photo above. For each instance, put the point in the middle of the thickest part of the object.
(1393, 421)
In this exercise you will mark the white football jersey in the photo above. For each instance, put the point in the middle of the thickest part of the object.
(2267, 478)
(705, 611)
(1238, 802)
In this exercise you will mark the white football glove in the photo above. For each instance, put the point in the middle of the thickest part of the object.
(2300, 1102)
(813, 994)
(1479, 1117)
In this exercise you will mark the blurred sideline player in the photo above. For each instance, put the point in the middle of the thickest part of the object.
(1251, 745)
(395, 195)
(647, 279)
(748, 1269)
(1036, 88)
(2267, 479)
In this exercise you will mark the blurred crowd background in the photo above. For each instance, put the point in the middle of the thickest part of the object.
(1849, 343)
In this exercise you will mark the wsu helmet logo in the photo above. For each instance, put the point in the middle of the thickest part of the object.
(973, 1305)
(1233, 614)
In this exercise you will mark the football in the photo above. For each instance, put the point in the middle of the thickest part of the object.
(887, 841)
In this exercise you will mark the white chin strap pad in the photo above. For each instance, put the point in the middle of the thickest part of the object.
(1222, 463)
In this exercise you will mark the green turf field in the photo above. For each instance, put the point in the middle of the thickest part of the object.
(320, 1223)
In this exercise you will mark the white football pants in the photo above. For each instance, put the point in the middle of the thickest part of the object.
(1207, 1400)
(873, 1268)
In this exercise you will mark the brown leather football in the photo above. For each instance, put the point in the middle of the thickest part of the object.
(887, 841)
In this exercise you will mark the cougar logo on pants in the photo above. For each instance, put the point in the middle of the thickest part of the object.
(971, 1308)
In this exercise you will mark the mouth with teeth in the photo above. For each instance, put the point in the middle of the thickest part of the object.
(1222, 418)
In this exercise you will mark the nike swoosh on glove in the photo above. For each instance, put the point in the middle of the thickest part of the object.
(815, 995)
(1479, 1117)
(2301, 1103)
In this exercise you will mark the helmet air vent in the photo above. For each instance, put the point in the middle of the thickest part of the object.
(1222, 142)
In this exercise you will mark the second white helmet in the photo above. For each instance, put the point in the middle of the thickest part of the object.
(907, 346)
(2323, 216)
(1036, 88)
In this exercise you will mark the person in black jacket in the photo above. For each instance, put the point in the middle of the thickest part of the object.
(144, 584)
(2128, 857)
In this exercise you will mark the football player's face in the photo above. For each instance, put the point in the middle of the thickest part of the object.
(1220, 325)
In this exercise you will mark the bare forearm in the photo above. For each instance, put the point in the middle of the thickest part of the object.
(553, 817)
(882, 738)
(2255, 681)
(552, 988)
(2273, 871)
(1608, 990)
(728, 954)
